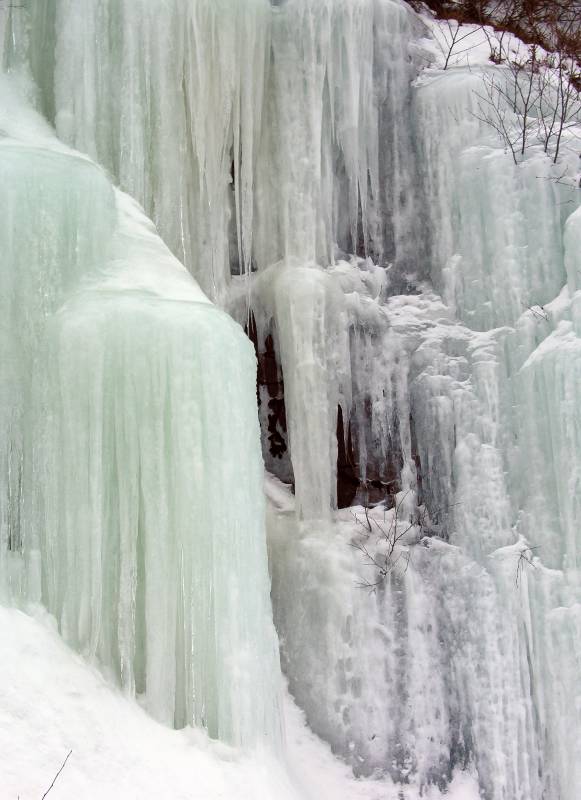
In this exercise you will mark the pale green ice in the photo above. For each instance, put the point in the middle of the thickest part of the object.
(393, 263)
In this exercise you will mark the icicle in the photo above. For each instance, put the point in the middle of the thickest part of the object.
(311, 333)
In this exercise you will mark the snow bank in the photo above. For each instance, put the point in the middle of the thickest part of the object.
(52, 701)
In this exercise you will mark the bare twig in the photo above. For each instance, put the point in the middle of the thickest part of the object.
(455, 34)
(63, 765)
(537, 311)
(384, 562)
(541, 97)
(524, 557)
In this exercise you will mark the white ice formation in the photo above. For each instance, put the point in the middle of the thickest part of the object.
(413, 297)
(114, 366)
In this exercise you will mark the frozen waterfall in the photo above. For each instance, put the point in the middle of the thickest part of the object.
(112, 513)
(413, 300)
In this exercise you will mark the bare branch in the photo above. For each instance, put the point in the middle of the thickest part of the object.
(63, 765)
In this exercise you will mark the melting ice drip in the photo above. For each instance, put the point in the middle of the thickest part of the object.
(288, 142)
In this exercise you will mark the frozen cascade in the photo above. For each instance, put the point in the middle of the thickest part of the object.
(203, 127)
(169, 103)
(420, 678)
(339, 79)
(401, 681)
(478, 195)
(413, 299)
(117, 371)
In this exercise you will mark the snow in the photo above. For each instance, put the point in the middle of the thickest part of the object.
(53, 702)
(465, 44)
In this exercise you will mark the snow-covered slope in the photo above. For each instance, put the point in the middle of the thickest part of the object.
(52, 702)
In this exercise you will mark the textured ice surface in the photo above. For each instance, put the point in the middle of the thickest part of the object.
(169, 102)
(477, 195)
(399, 266)
(125, 392)
(249, 133)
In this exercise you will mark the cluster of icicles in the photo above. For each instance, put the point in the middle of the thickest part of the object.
(412, 299)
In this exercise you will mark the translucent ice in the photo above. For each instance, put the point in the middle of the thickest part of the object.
(125, 394)
(414, 295)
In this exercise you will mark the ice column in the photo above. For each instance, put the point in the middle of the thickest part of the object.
(131, 496)
(311, 331)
